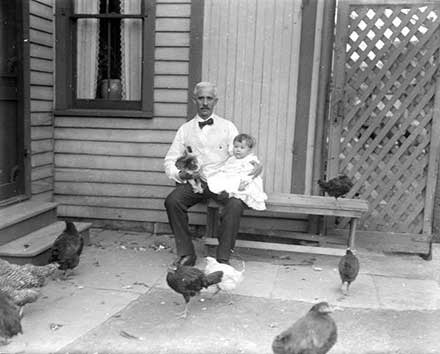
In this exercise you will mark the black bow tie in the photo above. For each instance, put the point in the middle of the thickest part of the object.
(209, 121)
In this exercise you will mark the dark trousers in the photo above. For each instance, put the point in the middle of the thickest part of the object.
(182, 198)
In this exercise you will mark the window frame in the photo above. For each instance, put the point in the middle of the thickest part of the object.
(66, 101)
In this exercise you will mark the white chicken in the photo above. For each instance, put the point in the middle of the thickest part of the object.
(231, 276)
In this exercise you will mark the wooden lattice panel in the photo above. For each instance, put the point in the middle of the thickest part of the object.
(385, 122)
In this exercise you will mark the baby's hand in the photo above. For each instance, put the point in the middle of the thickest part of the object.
(242, 186)
(258, 168)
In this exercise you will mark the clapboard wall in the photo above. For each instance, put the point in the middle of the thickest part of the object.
(112, 168)
(42, 56)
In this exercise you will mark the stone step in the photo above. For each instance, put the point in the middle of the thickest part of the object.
(22, 218)
(35, 247)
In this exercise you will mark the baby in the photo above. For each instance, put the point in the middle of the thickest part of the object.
(233, 177)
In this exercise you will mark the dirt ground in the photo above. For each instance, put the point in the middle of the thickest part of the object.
(117, 301)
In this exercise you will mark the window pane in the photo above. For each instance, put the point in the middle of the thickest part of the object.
(86, 6)
(132, 7)
(109, 66)
(109, 52)
(87, 58)
(131, 50)
(87, 49)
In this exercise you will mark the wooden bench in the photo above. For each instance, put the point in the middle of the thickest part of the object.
(295, 204)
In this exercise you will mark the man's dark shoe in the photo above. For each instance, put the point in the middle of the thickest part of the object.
(224, 261)
(188, 260)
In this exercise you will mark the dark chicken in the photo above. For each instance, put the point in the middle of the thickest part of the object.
(348, 269)
(336, 187)
(315, 333)
(10, 320)
(67, 248)
(189, 281)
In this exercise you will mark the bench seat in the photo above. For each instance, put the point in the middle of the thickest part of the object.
(287, 203)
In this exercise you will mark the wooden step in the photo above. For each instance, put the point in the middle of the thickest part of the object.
(20, 219)
(35, 247)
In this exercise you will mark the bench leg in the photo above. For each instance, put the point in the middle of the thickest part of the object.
(352, 233)
(212, 220)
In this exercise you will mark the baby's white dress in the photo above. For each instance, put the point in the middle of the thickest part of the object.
(228, 179)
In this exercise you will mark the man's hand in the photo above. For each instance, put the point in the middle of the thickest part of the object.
(258, 168)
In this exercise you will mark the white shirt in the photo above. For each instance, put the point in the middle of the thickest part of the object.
(212, 145)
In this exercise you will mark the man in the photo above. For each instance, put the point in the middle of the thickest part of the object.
(210, 139)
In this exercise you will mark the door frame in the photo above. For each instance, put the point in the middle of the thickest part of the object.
(23, 107)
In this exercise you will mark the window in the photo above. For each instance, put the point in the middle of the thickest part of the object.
(105, 55)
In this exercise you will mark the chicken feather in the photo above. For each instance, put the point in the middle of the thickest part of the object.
(348, 269)
(24, 276)
(10, 320)
(315, 333)
(67, 248)
(231, 277)
(189, 281)
(336, 187)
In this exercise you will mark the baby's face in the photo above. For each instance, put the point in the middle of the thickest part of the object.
(241, 149)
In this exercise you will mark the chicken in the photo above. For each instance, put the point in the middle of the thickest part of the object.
(190, 164)
(21, 282)
(315, 333)
(336, 187)
(189, 281)
(24, 276)
(348, 269)
(231, 277)
(21, 297)
(67, 248)
(10, 320)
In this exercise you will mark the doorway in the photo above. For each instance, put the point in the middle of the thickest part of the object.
(12, 103)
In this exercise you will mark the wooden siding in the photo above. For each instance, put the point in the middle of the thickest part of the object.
(250, 49)
(112, 168)
(41, 33)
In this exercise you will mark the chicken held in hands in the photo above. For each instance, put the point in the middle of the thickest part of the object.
(189, 281)
(348, 269)
(67, 248)
(189, 166)
(315, 333)
(336, 187)
(10, 319)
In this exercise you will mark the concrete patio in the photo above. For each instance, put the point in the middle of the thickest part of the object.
(118, 302)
